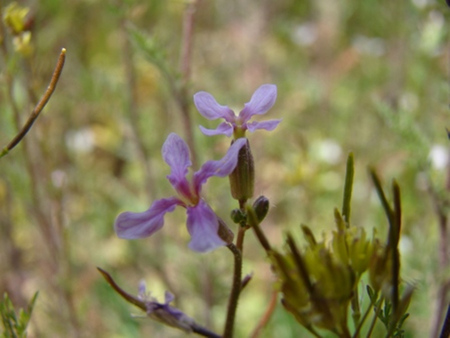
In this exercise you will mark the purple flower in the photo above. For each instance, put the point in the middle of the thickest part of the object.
(163, 312)
(262, 100)
(202, 222)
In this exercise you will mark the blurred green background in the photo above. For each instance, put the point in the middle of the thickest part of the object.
(364, 76)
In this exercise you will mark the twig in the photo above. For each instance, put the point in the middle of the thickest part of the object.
(40, 105)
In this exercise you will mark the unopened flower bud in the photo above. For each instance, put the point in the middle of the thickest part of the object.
(261, 207)
(224, 231)
(238, 216)
(242, 179)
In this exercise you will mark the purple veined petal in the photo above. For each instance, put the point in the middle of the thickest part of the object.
(208, 107)
(266, 125)
(176, 154)
(262, 100)
(203, 226)
(133, 225)
(222, 129)
(220, 168)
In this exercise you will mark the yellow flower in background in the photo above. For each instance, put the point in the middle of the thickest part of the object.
(14, 17)
(22, 44)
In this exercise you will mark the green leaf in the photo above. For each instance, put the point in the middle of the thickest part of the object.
(348, 188)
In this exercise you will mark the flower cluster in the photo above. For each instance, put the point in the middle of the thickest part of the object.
(318, 284)
(207, 230)
(204, 226)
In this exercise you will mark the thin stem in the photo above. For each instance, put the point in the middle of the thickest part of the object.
(266, 316)
(125, 295)
(235, 291)
(361, 323)
(201, 331)
(186, 48)
(356, 310)
(446, 326)
(40, 105)
(254, 224)
(240, 239)
(185, 71)
(375, 316)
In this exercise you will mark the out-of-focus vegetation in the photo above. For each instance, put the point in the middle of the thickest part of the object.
(364, 76)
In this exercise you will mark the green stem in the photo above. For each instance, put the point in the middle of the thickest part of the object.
(375, 316)
(254, 224)
(356, 310)
(235, 291)
(359, 327)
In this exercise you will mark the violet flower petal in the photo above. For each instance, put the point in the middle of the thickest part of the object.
(221, 168)
(203, 226)
(208, 107)
(262, 100)
(222, 129)
(176, 154)
(266, 125)
(168, 297)
(133, 225)
(169, 315)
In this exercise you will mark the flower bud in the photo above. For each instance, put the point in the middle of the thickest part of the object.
(238, 216)
(242, 179)
(261, 207)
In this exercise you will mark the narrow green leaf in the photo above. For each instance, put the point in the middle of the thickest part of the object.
(394, 237)
(381, 195)
(348, 189)
(372, 294)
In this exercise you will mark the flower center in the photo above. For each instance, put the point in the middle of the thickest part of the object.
(187, 194)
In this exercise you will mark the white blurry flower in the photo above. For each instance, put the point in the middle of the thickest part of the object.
(328, 151)
(82, 140)
(305, 34)
(439, 156)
